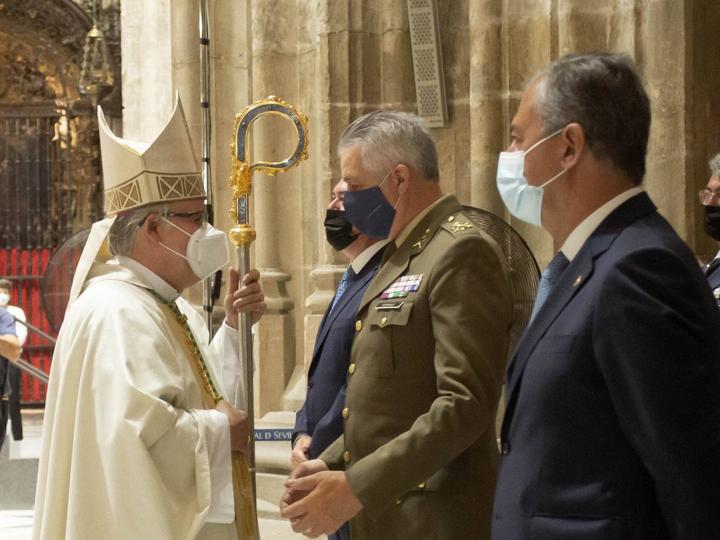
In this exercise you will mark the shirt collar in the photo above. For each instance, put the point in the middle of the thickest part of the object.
(582, 232)
(166, 291)
(410, 226)
(364, 257)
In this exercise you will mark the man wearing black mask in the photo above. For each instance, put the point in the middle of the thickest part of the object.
(710, 199)
(319, 422)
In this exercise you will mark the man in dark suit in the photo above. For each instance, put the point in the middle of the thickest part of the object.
(612, 427)
(319, 422)
(710, 199)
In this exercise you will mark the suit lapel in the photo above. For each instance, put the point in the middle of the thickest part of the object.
(571, 281)
(415, 243)
(366, 274)
(322, 332)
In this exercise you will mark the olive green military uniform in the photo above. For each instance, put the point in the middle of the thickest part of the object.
(426, 370)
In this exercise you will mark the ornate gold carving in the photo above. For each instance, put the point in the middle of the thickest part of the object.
(242, 235)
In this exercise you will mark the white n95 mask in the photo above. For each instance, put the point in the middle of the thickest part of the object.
(4, 299)
(207, 250)
(521, 199)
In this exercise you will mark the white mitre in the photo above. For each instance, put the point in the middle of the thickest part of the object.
(137, 174)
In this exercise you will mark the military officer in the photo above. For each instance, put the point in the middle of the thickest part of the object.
(418, 455)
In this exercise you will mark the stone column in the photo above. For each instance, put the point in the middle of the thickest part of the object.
(146, 67)
(662, 52)
(278, 201)
(488, 113)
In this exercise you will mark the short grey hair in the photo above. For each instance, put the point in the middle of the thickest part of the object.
(714, 165)
(121, 237)
(603, 93)
(387, 138)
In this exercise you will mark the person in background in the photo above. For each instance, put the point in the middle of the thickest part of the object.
(9, 352)
(710, 200)
(14, 375)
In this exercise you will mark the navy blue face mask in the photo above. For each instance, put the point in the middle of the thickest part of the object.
(369, 211)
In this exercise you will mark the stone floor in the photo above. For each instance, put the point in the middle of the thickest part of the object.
(17, 525)
(18, 470)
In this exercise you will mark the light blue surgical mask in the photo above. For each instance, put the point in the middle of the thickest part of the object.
(521, 199)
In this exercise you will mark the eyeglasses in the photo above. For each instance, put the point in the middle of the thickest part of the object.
(708, 196)
(199, 218)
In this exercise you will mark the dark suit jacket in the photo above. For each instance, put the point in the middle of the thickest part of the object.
(321, 414)
(612, 428)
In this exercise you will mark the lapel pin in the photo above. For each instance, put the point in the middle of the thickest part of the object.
(578, 281)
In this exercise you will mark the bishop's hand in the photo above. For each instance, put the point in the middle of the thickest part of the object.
(245, 297)
(239, 431)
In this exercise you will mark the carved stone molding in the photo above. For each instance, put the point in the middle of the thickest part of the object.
(63, 21)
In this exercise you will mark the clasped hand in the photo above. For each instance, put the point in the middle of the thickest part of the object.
(318, 501)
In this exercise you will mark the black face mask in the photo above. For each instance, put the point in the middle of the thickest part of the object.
(338, 230)
(712, 222)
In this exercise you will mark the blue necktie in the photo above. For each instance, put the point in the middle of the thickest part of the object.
(347, 278)
(548, 279)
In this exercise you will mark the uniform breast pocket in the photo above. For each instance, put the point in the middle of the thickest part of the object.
(386, 320)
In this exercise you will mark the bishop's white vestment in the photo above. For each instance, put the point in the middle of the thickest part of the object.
(128, 451)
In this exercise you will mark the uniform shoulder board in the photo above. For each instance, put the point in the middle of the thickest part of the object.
(458, 224)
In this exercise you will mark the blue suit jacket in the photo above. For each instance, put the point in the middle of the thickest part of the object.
(321, 414)
(612, 428)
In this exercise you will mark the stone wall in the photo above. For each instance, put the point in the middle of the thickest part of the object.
(336, 60)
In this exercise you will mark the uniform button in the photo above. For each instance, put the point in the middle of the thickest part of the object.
(421, 485)
(345, 413)
(451, 219)
(346, 456)
(358, 325)
(383, 321)
(351, 368)
(505, 448)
